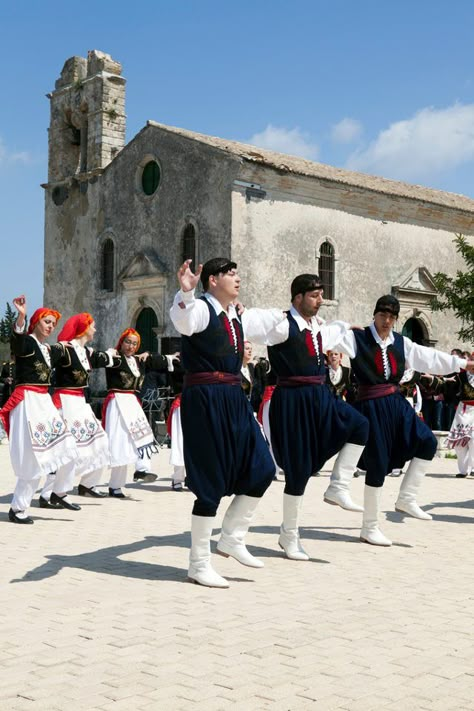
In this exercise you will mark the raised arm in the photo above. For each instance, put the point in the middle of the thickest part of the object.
(337, 335)
(188, 314)
(267, 327)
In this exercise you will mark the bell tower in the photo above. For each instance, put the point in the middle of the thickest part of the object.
(87, 124)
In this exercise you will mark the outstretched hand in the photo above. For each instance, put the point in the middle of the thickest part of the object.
(187, 280)
(470, 365)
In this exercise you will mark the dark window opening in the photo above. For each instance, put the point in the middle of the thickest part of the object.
(146, 324)
(150, 177)
(189, 245)
(60, 194)
(108, 265)
(414, 331)
(326, 269)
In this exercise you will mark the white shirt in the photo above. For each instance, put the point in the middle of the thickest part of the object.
(421, 358)
(190, 315)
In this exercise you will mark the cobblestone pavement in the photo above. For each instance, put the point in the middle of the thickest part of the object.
(96, 612)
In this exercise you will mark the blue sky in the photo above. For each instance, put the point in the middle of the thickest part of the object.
(385, 88)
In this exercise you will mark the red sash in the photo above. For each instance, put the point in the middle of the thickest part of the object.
(174, 406)
(371, 392)
(216, 377)
(267, 395)
(65, 391)
(110, 396)
(17, 396)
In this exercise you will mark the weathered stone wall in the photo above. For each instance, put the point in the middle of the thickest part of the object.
(195, 185)
(278, 237)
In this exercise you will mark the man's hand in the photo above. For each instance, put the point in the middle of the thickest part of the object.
(470, 365)
(239, 307)
(187, 280)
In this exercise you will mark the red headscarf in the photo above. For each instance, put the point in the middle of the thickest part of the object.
(75, 327)
(42, 313)
(128, 332)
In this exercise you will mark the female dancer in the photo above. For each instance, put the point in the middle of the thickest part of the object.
(72, 377)
(39, 441)
(127, 427)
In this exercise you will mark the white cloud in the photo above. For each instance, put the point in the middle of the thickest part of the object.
(430, 143)
(286, 140)
(346, 131)
(7, 157)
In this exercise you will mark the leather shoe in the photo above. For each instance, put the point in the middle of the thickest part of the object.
(144, 476)
(14, 518)
(89, 491)
(63, 503)
(117, 493)
(177, 486)
(45, 504)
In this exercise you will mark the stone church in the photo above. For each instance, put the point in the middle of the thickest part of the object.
(120, 218)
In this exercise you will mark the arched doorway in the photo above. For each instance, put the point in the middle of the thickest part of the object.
(146, 322)
(414, 330)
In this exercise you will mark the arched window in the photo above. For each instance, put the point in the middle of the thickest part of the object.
(326, 269)
(107, 271)
(413, 329)
(145, 325)
(189, 244)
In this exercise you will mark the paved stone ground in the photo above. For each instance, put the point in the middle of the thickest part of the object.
(96, 612)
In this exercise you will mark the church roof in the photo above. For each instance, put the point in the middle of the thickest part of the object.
(300, 166)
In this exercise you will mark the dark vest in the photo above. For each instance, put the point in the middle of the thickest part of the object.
(466, 390)
(30, 365)
(367, 366)
(298, 355)
(344, 383)
(214, 348)
(120, 377)
(69, 371)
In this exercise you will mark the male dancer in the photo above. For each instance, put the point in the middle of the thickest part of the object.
(308, 424)
(224, 451)
(379, 357)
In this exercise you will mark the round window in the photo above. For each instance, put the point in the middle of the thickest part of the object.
(150, 177)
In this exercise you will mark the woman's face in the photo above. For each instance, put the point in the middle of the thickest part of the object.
(89, 334)
(334, 359)
(129, 346)
(44, 328)
(247, 352)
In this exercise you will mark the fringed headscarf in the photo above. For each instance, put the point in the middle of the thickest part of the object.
(42, 313)
(75, 327)
(128, 332)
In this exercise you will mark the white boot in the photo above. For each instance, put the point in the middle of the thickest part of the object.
(371, 532)
(200, 569)
(345, 465)
(406, 502)
(289, 535)
(234, 528)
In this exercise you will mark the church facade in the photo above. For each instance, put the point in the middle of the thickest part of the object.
(121, 217)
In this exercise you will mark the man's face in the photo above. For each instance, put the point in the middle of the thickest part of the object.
(225, 286)
(44, 328)
(384, 322)
(129, 346)
(308, 303)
